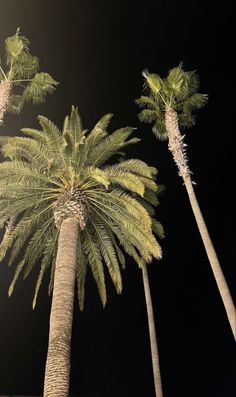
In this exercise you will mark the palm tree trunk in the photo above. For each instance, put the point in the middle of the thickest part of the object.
(5, 91)
(176, 146)
(215, 265)
(57, 371)
(152, 334)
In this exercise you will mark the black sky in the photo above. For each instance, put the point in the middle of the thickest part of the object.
(97, 51)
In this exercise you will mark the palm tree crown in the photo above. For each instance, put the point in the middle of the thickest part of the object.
(177, 91)
(21, 73)
(49, 175)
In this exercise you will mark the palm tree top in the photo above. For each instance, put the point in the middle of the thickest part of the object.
(178, 91)
(50, 174)
(21, 71)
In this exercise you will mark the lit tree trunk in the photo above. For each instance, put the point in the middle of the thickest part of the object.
(5, 90)
(57, 373)
(152, 334)
(176, 146)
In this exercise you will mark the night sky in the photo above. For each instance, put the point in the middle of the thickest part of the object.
(97, 51)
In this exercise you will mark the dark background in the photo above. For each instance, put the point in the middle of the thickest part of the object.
(97, 51)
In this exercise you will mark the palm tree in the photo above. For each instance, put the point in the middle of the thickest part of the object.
(21, 75)
(72, 212)
(169, 105)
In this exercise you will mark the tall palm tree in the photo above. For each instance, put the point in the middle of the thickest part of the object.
(19, 80)
(169, 105)
(72, 212)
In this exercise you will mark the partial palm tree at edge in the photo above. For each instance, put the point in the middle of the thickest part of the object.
(169, 104)
(20, 80)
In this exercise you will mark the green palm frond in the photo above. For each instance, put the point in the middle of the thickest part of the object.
(97, 175)
(25, 66)
(49, 255)
(44, 165)
(108, 253)
(30, 150)
(93, 253)
(37, 89)
(158, 228)
(125, 179)
(99, 131)
(16, 45)
(147, 115)
(146, 101)
(81, 271)
(109, 146)
(15, 104)
(18, 270)
(137, 167)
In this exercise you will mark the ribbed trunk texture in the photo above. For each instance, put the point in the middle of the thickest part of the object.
(176, 147)
(57, 373)
(5, 90)
(152, 334)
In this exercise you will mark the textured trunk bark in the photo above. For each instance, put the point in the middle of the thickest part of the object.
(214, 262)
(5, 91)
(176, 146)
(57, 371)
(152, 333)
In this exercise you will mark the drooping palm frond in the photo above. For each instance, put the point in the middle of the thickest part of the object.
(42, 166)
(21, 72)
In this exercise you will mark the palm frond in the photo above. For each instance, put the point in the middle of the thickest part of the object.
(15, 104)
(137, 167)
(125, 179)
(36, 245)
(108, 146)
(108, 253)
(18, 271)
(146, 101)
(30, 150)
(93, 253)
(81, 271)
(48, 257)
(98, 175)
(25, 66)
(157, 228)
(16, 45)
(41, 85)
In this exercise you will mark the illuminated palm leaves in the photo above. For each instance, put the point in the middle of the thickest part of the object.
(21, 73)
(178, 91)
(119, 199)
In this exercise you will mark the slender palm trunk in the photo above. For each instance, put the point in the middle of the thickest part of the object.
(152, 334)
(215, 265)
(57, 371)
(176, 147)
